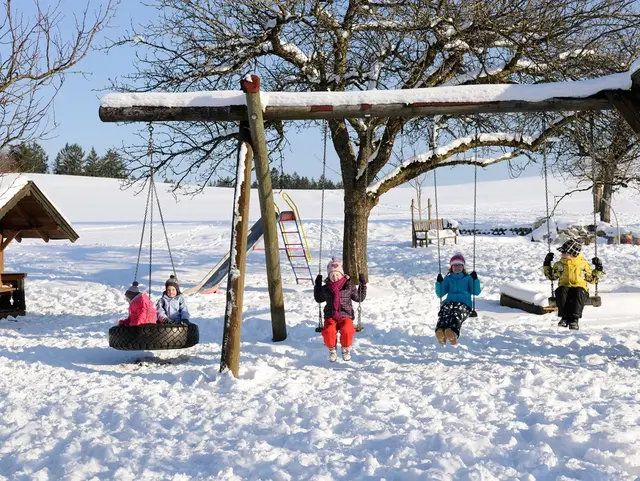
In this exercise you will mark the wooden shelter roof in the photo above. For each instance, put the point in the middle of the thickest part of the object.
(27, 213)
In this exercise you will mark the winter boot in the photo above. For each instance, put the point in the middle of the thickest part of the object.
(346, 354)
(563, 322)
(441, 337)
(333, 355)
(451, 335)
(573, 325)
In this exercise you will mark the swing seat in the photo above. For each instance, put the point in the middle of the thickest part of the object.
(154, 337)
(593, 301)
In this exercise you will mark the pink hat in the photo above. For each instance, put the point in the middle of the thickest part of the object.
(457, 258)
(334, 266)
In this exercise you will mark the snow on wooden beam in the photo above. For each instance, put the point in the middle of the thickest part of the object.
(239, 112)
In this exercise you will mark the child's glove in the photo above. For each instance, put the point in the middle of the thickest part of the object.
(362, 279)
(474, 275)
(439, 278)
(547, 259)
(319, 280)
(597, 263)
(123, 322)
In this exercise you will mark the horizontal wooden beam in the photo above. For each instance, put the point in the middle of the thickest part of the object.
(239, 112)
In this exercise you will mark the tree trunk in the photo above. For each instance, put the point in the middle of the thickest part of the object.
(356, 219)
(607, 193)
(598, 194)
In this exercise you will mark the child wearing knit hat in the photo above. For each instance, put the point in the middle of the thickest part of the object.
(141, 310)
(458, 286)
(172, 307)
(338, 292)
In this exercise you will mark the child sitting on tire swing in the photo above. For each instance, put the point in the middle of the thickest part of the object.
(171, 307)
(141, 310)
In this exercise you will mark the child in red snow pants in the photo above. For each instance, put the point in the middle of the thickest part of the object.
(331, 329)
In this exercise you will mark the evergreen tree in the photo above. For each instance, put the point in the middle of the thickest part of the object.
(92, 165)
(112, 165)
(70, 160)
(29, 157)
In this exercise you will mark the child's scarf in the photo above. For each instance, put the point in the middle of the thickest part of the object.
(335, 287)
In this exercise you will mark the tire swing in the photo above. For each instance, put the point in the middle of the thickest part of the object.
(320, 327)
(153, 336)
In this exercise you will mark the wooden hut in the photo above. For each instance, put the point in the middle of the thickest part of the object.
(25, 213)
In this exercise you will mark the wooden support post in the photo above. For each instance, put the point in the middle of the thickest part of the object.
(628, 106)
(429, 209)
(413, 232)
(239, 232)
(267, 208)
(2, 248)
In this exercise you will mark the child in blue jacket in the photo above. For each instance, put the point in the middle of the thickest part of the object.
(171, 307)
(458, 286)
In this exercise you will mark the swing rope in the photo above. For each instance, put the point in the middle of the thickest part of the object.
(546, 198)
(324, 181)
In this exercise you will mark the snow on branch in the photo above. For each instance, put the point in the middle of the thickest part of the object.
(458, 145)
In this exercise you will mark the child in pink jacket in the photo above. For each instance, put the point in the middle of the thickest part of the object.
(141, 310)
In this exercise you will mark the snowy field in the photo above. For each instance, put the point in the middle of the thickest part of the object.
(518, 398)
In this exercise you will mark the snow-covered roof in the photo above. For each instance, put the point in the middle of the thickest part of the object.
(441, 95)
(25, 209)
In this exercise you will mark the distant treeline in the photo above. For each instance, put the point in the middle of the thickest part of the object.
(71, 160)
(285, 181)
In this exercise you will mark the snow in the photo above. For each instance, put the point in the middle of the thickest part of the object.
(466, 93)
(517, 399)
(537, 294)
(10, 185)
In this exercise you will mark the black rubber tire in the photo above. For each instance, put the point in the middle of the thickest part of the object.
(154, 337)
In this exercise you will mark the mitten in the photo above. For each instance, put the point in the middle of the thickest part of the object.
(547, 259)
(597, 263)
(122, 322)
(319, 280)
(474, 275)
(439, 278)
(362, 279)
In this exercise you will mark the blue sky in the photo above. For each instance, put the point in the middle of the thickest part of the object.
(76, 109)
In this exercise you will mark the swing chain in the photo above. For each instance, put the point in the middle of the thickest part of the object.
(475, 203)
(435, 195)
(595, 199)
(324, 170)
(546, 198)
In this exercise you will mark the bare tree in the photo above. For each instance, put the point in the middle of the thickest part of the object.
(350, 45)
(36, 51)
(601, 149)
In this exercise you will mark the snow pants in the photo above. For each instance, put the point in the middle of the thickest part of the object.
(331, 329)
(571, 301)
(452, 315)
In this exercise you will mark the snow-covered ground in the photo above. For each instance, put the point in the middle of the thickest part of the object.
(518, 398)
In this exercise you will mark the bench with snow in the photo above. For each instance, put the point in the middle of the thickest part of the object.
(533, 298)
(428, 231)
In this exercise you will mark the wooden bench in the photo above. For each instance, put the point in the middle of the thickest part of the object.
(424, 232)
(12, 299)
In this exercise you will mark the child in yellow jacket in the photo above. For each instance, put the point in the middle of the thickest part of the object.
(573, 273)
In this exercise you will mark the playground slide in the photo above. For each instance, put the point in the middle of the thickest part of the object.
(221, 269)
